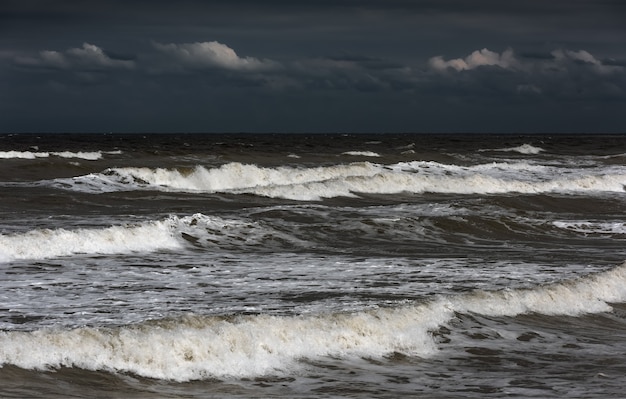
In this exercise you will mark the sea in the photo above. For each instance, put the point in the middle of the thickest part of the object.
(312, 266)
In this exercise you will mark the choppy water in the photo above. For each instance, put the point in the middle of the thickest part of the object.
(141, 266)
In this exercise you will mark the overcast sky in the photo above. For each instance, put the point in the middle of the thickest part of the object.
(313, 66)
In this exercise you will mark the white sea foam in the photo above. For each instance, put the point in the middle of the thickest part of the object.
(22, 154)
(590, 294)
(590, 227)
(89, 156)
(362, 153)
(351, 179)
(232, 177)
(203, 347)
(149, 236)
(526, 149)
(197, 347)
(47, 243)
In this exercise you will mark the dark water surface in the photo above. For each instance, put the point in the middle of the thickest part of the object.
(193, 266)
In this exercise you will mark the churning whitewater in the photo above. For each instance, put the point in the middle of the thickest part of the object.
(348, 180)
(312, 266)
(195, 347)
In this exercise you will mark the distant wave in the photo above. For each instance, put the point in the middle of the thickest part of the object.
(362, 153)
(525, 149)
(203, 347)
(89, 156)
(311, 184)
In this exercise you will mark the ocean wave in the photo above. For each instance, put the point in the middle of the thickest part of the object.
(199, 347)
(362, 153)
(196, 347)
(526, 149)
(590, 227)
(349, 180)
(89, 156)
(52, 243)
(231, 178)
(169, 234)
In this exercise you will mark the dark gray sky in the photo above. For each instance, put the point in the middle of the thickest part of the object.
(313, 66)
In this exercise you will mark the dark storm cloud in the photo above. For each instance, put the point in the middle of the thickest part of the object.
(518, 16)
(337, 71)
(567, 76)
(313, 65)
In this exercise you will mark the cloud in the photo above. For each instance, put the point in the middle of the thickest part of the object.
(87, 57)
(478, 58)
(213, 55)
(207, 59)
(561, 75)
(557, 60)
(350, 72)
(583, 57)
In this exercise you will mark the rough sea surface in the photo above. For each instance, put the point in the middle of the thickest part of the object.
(312, 266)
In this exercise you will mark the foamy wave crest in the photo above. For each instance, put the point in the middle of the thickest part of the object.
(589, 227)
(23, 154)
(590, 294)
(362, 153)
(525, 149)
(351, 179)
(169, 234)
(208, 347)
(47, 243)
(197, 347)
(231, 178)
(89, 156)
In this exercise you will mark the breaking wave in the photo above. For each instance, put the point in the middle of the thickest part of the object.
(169, 234)
(349, 180)
(89, 156)
(199, 347)
(525, 149)
(362, 153)
(591, 227)
(48, 243)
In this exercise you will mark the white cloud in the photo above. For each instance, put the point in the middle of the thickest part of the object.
(560, 74)
(213, 54)
(88, 56)
(560, 60)
(484, 57)
(582, 56)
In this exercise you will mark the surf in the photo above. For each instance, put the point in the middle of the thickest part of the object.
(196, 347)
(85, 155)
(350, 180)
(52, 243)
(169, 234)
